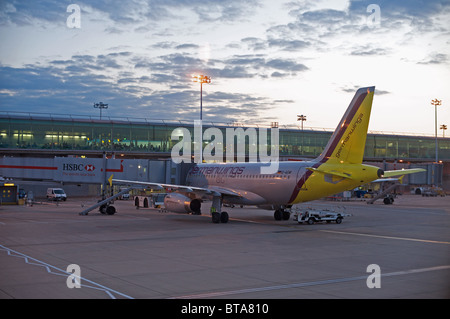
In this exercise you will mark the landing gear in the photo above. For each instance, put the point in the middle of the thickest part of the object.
(217, 215)
(220, 217)
(282, 214)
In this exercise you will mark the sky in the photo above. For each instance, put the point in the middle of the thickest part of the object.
(269, 61)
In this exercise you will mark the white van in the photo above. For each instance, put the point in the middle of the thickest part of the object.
(56, 194)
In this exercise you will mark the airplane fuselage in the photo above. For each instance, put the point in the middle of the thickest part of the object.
(293, 183)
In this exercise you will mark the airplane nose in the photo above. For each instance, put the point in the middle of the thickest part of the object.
(380, 173)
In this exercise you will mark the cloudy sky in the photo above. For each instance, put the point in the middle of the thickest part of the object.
(268, 60)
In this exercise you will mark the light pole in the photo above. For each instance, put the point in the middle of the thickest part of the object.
(436, 102)
(100, 106)
(201, 79)
(301, 118)
(443, 128)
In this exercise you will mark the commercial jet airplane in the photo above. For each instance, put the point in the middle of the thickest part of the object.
(338, 168)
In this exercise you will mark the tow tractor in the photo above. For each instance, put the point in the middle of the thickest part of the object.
(313, 215)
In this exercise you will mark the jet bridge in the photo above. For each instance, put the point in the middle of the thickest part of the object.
(80, 170)
(91, 170)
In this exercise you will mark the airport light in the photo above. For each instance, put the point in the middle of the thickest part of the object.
(301, 118)
(436, 103)
(100, 106)
(201, 79)
(443, 128)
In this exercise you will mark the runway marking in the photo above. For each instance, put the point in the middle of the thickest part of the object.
(60, 272)
(386, 237)
(307, 284)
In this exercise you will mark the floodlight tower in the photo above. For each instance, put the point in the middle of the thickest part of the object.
(201, 79)
(100, 106)
(443, 128)
(436, 102)
(301, 118)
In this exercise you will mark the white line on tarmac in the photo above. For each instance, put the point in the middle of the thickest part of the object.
(386, 237)
(307, 284)
(110, 292)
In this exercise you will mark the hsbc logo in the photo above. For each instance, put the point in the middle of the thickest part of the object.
(89, 168)
(78, 167)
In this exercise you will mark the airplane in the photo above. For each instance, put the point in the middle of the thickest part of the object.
(338, 168)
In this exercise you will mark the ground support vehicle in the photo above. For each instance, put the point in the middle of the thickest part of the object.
(155, 200)
(56, 194)
(312, 215)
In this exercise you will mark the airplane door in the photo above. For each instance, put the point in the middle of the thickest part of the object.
(219, 179)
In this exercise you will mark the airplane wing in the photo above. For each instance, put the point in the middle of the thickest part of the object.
(214, 191)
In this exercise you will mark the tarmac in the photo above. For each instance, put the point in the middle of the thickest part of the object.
(380, 251)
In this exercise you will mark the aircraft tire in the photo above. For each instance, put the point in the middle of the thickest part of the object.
(110, 210)
(136, 202)
(102, 209)
(286, 215)
(215, 218)
(224, 217)
(278, 215)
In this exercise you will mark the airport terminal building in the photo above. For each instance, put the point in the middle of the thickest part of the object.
(38, 135)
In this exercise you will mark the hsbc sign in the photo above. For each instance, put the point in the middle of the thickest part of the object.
(79, 170)
(72, 169)
(78, 167)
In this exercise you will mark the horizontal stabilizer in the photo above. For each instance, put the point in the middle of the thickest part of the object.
(339, 174)
(403, 172)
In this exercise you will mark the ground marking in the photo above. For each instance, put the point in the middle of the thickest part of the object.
(60, 272)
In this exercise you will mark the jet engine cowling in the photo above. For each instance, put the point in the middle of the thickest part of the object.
(179, 203)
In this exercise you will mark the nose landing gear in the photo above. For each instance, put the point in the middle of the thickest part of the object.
(282, 214)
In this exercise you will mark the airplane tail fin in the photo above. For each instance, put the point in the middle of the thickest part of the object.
(348, 141)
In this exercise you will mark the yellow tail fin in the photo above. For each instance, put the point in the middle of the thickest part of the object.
(348, 141)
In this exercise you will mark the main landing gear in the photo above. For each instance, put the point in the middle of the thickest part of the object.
(217, 215)
(282, 214)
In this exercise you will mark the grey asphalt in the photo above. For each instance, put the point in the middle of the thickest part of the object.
(149, 254)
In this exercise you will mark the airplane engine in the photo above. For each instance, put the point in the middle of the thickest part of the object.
(178, 203)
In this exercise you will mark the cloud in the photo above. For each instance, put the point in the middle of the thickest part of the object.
(369, 50)
(188, 46)
(122, 13)
(435, 58)
(28, 12)
(286, 65)
(241, 66)
(354, 88)
(75, 84)
(288, 45)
